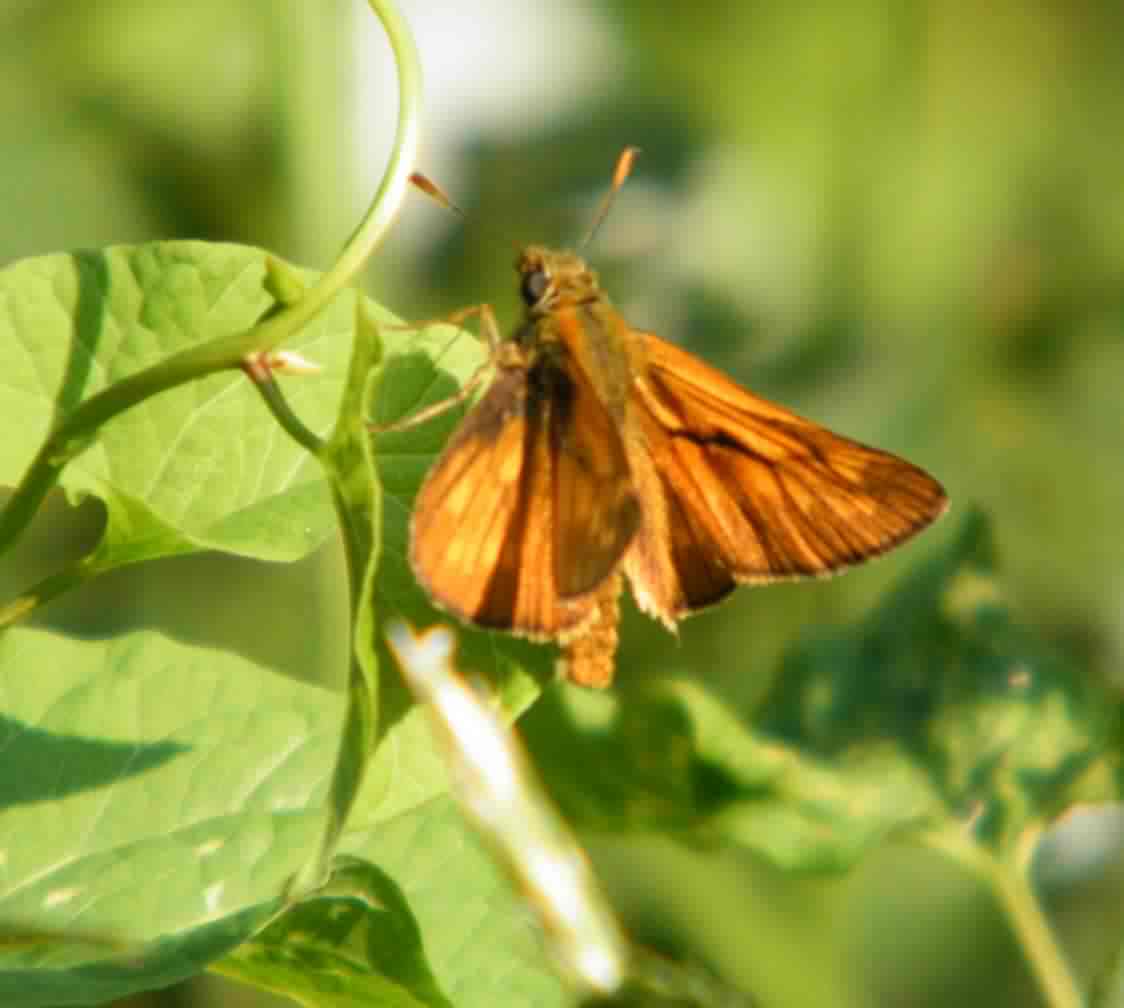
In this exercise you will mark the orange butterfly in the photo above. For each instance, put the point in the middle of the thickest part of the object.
(600, 450)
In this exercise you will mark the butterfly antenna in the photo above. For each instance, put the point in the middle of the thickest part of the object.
(434, 192)
(620, 173)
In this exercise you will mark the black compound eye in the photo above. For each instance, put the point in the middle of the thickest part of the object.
(534, 286)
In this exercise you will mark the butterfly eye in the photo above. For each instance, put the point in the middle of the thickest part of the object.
(534, 286)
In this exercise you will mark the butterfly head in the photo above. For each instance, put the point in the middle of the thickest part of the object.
(549, 280)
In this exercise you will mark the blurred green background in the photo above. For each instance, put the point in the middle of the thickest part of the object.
(905, 220)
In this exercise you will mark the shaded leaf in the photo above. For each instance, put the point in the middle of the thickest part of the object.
(355, 942)
(938, 708)
(123, 874)
(675, 760)
(479, 942)
(136, 871)
(1003, 728)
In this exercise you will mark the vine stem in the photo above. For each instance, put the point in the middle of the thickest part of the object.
(1021, 908)
(72, 434)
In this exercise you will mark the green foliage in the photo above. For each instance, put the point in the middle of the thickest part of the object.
(906, 223)
(1001, 727)
(160, 798)
(938, 708)
(124, 827)
(355, 943)
(169, 474)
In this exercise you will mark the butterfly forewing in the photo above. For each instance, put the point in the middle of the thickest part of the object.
(481, 540)
(754, 493)
(530, 507)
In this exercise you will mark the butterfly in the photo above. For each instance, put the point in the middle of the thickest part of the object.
(601, 453)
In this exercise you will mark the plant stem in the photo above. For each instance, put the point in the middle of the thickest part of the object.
(348, 461)
(75, 432)
(1037, 939)
(1032, 930)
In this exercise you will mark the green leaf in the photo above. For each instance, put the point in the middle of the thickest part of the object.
(938, 710)
(673, 759)
(156, 798)
(1005, 731)
(204, 465)
(171, 474)
(353, 943)
(478, 943)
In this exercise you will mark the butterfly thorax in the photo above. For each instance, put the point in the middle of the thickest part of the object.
(569, 321)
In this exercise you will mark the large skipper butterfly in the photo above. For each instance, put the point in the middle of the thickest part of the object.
(600, 452)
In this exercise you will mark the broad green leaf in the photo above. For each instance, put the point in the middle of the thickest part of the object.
(172, 473)
(156, 798)
(205, 465)
(432, 922)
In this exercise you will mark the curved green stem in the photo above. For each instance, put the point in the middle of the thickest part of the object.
(75, 432)
(349, 465)
(278, 405)
(1020, 906)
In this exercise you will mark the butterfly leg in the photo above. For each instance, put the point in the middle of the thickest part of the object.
(434, 409)
(489, 331)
